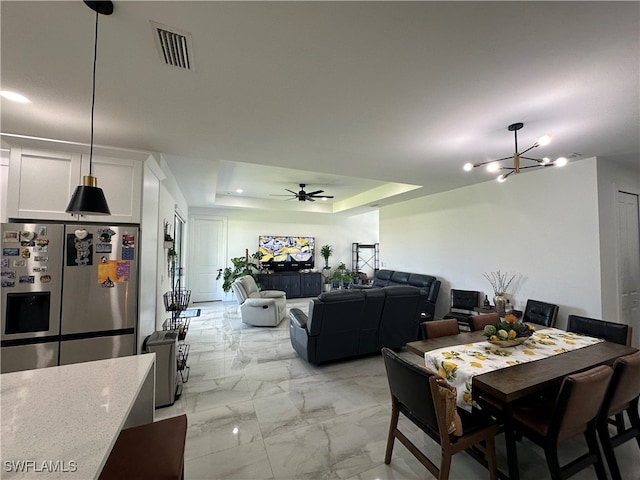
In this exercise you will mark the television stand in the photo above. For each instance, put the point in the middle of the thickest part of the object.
(294, 284)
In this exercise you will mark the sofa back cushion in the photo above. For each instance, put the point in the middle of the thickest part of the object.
(400, 320)
(243, 287)
(334, 323)
(382, 278)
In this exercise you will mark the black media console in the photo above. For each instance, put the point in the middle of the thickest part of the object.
(295, 284)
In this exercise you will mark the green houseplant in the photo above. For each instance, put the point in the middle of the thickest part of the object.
(326, 251)
(247, 265)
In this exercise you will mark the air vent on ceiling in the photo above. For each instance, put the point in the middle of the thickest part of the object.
(174, 46)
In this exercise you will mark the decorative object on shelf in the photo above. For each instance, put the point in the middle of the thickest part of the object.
(247, 265)
(303, 196)
(486, 302)
(500, 282)
(509, 332)
(88, 198)
(517, 167)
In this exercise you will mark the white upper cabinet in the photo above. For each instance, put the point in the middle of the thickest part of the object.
(41, 184)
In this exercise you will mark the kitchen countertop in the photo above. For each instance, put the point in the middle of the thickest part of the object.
(62, 422)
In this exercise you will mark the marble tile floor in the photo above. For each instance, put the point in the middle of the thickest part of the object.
(257, 411)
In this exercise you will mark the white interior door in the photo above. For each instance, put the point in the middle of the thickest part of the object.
(629, 262)
(206, 253)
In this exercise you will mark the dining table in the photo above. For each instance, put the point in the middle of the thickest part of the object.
(516, 380)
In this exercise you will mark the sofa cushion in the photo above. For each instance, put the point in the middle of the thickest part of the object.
(341, 296)
(382, 278)
(399, 278)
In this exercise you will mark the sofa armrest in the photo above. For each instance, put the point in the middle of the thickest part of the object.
(298, 318)
(260, 302)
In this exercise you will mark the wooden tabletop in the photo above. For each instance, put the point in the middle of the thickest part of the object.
(528, 378)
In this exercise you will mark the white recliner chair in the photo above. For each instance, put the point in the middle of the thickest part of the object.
(265, 308)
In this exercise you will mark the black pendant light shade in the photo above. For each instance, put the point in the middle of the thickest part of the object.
(88, 198)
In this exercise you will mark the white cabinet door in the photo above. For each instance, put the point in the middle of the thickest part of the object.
(121, 182)
(41, 183)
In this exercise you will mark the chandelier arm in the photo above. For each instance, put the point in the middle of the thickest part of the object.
(533, 166)
(530, 148)
(533, 159)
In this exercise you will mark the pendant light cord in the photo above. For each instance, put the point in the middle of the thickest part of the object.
(93, 92)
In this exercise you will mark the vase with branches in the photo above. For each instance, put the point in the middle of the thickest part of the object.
(500, 282)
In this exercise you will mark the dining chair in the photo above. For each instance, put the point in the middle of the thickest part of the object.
(441, 328)
(622, 396)
(573, 412)
(609, 331)
(462, 304)
(482, 320)
(540, 313)
(425, 399)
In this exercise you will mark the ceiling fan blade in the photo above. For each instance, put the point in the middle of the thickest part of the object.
(283, 195)
(323, 196)
(315, 193)
(310, 199)
(291, 191)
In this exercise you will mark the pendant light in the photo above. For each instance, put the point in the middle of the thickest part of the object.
(88, 198)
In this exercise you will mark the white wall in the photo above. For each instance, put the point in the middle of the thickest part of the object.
(4, 183)
(340, 231)
(542, 225)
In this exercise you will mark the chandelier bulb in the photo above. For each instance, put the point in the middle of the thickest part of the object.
(501, 178)
(468, 167)
(561, 162)
(493, 167)
(544, 140)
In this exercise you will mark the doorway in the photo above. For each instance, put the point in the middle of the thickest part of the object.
(629, 261)
(207, 244)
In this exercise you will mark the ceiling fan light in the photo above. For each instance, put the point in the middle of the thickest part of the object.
(561, 162)
(544, 140)
(468, 167)
(493, 167)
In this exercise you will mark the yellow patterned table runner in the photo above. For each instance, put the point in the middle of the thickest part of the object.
(460, 363)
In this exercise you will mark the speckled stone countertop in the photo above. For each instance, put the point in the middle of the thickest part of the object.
(61, 422)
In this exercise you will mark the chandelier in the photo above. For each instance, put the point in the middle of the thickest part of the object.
(520, 162)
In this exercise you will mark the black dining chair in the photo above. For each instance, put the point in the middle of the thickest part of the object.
(622, 396)
(573, 412)
(540, 313)
(462, 304)
(421, 397)
(609, 331)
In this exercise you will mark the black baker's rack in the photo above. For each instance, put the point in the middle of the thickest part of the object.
(176, 301)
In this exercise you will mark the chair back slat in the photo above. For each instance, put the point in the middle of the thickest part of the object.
(409, 384)
(441, 328)
(625, 384)
(579, 401)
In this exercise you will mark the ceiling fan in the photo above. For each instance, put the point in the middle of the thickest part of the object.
(303, 196)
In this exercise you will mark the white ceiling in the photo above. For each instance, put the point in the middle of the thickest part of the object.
(347, 97)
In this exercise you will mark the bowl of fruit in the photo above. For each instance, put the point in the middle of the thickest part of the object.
(509, 332)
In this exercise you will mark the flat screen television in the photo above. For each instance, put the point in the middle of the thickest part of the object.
(285, 253)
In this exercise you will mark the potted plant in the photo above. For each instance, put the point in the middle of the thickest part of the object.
(326, 251)
(247, 265)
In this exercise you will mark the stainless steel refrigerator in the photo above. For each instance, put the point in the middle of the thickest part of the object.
(69, 293)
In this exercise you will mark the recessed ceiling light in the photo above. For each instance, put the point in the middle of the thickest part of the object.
(239, 190)
(13, 96)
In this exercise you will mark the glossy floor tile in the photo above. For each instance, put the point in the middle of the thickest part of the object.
(258, 411)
